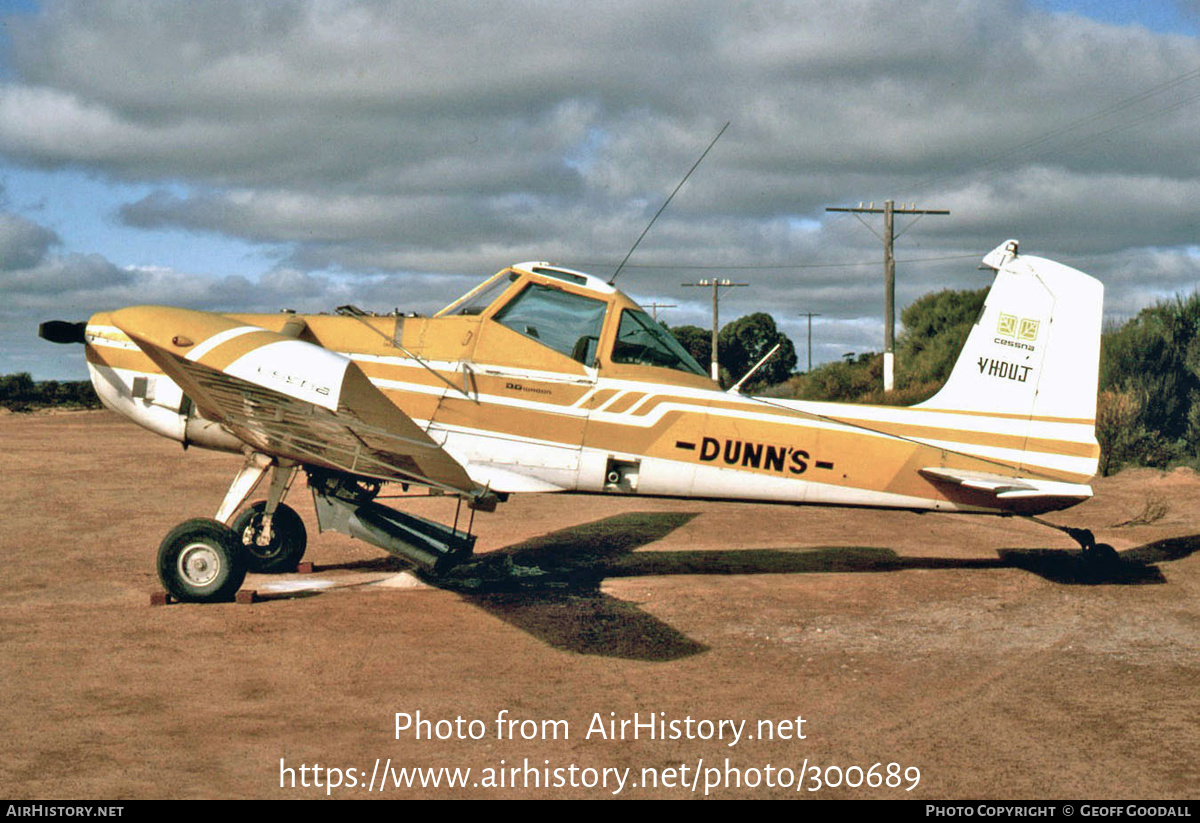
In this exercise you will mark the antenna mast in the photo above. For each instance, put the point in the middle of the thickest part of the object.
(613, 279)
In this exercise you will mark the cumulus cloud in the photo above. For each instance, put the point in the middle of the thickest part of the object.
(22, 242)
(41, 283)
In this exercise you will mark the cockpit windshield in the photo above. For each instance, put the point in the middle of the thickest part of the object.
(642, 341)
(479, 298)
(568, 323)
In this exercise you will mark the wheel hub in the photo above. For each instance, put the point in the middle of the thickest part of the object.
(260, 540)
(199, 564)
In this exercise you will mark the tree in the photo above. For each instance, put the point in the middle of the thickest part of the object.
(17, 391)
(935, 329)
(697, 341)
(745, 341)
(1155, 360)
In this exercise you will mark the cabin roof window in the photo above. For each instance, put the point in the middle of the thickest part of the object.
(568, 323)
(642, 341)
(559, 274)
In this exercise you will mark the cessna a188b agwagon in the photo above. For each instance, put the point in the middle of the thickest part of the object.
(547, 380)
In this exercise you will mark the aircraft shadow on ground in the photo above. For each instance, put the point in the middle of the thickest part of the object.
(550, 586)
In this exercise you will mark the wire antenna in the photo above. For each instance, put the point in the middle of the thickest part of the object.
(662, 208)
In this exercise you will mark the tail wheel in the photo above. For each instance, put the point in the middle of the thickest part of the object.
(1102, 555)
(275, 553)
(199, 561)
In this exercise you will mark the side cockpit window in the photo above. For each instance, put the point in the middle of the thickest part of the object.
(568, 323)
(643, 342)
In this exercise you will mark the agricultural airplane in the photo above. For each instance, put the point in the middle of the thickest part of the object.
(544, 379)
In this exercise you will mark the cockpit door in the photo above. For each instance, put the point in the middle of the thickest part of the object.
(531, 371)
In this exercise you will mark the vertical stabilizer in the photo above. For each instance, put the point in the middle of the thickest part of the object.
(1033, 359)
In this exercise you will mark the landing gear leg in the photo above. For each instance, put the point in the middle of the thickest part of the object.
(244, 483)
(204, 561)
(271, 534)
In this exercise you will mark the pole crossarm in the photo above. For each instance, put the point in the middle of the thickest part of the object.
(888, 210)
(872, 210)
(654, 307)
(716, 285)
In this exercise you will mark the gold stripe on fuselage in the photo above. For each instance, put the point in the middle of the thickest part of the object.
(983, 435)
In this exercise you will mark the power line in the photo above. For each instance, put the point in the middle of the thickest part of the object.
(995, 164)
(1003, 159)
(584, 265)
(990, 167)
(654, 307)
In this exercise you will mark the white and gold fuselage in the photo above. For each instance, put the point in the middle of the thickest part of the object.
(490, 382)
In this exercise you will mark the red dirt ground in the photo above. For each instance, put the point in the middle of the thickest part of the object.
(977, 650)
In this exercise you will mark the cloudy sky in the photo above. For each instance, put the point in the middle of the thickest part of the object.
(254, 156)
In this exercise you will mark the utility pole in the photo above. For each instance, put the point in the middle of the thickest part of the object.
(716, 286)
(654, 307)
(810, 315)
(889, 276)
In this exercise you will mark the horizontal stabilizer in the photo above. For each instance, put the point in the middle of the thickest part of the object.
(1009, 488)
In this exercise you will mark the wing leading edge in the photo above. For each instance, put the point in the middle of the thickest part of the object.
(288, 398)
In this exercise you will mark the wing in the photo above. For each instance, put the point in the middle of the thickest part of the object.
(288, 398)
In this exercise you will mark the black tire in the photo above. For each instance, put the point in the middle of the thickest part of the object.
(289, 539)
(200, 562)
(1102, 556)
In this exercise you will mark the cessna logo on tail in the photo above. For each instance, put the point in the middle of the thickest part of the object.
(1018, 328)
(1017, 332)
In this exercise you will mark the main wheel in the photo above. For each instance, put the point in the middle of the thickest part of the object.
(200, 562)
(283, 551)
